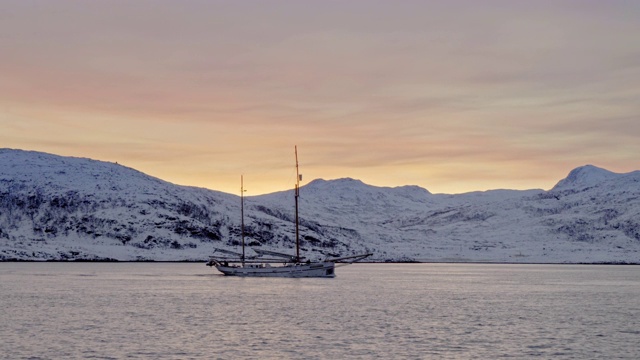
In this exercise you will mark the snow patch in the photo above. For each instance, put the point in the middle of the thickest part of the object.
(65, 208)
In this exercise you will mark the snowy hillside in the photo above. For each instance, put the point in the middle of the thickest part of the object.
(62, 208)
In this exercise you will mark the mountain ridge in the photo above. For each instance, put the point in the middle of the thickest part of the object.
(67, 208)
(585, 176)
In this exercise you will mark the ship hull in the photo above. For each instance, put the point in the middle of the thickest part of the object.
(303, 270)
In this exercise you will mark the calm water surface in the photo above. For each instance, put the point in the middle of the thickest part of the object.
(370, 311)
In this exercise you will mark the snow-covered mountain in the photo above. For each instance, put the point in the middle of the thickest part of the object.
(63, 208)
(584, 177)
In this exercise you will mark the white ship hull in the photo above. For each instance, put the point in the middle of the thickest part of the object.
(316, 269)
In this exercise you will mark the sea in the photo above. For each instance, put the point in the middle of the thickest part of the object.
(369, 311)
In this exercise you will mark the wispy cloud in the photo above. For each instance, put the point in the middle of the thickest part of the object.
(454, 96)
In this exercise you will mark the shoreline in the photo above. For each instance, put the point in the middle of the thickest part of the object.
(361, 262)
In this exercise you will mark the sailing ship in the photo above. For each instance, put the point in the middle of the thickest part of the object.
(275, 264)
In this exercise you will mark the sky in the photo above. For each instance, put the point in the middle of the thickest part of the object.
(453, 96)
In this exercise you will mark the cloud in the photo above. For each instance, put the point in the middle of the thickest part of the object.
(414, 91)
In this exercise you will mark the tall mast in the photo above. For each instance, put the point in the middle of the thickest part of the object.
(242, 215)
(297, 195)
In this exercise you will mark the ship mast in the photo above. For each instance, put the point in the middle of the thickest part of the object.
(297, 195)
(242, 216)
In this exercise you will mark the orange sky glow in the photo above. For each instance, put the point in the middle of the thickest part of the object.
(453, 96)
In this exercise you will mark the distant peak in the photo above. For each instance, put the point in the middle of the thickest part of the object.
(585, 176)
(589, 172)
(336, 182)
(349, 184)
(590, 167)
(412, 189)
